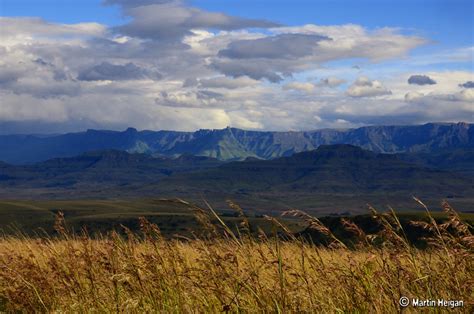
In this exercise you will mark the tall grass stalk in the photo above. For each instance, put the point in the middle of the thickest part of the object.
(226, 271)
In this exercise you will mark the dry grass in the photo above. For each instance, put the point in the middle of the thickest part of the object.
(225, 271)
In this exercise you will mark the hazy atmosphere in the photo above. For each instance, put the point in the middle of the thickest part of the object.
(186, 65)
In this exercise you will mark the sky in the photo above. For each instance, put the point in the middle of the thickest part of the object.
(68, 66)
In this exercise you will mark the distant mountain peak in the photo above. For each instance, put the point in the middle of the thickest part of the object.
(332, 152)
(237, 144)
(131, 130)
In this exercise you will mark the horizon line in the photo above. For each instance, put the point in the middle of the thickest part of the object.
(230, 127)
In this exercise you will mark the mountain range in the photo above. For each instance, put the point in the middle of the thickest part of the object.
(235, 144)
(106, 168)
(331, 176)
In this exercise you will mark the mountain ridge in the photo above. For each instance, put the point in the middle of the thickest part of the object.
(236, 144)
(335, 168)
(331, 174)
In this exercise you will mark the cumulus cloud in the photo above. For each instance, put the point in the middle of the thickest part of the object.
(299, 86)
(58, 74)
(18, 29)
(352, 40)
(331, 81)
(464, 95)
(468, 84)
(254, 70)
(171, 20)
(421, 80)
(413, 96)
(37, 78)
(173, 66)
(225, 82)
(294, 49)
(283, 46)
(189, 99)
(190, 82)
(458, 100)
(364, 87)
(117, 72)
(422, 109)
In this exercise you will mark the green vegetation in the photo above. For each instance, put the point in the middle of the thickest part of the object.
(35, 218)
(331, 179)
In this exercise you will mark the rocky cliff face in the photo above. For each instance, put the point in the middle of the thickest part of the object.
(237, 144)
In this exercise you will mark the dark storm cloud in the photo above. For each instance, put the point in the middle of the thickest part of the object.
(468, 84)
(112, 72)
(284, 46)
(421, 80)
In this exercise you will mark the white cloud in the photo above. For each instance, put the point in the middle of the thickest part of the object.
(82, 75)
(226, 82)
(20, 31)
(171, 20)
(447, 83)
(331, 81)
(289, 50)
(246, 120)
(364, 87)
(464, 95)
(352, 40)
(299, 86)
(412, 96)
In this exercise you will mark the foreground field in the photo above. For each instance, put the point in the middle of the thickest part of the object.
(36, 217)
(221, 270)
(108, 276)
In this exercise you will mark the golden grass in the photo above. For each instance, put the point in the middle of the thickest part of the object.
(234, 272)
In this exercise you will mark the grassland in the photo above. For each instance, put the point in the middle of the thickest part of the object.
(36, 217)
(224, 269)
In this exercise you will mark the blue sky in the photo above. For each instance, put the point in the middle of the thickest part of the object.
(448, 22)
(253, 64)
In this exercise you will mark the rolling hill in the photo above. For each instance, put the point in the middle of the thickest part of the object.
(332, 176)
(105, 168)
(328, 169)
